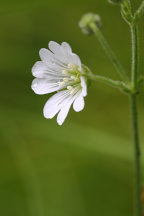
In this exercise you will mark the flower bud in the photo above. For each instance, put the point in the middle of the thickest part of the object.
(115, 1)
(86, 20)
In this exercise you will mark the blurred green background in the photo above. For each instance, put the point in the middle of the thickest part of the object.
(84, 167)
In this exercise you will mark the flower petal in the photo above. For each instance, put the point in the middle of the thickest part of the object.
(84, 86)
(54, 46)
(41, 70)
(51, 60)
(64, 110)
(38, 70)
(66, 47)
(53, 105)
(74, 59)
(44, 86)
(59, 53)
(45, 55)
(78, 104)
(64, 53)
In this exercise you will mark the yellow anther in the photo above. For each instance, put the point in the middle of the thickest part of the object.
(71, 66)
(66, 79)
(64, 72)
(69, 88)
(72, 91)
(73, 77)
(61, 83)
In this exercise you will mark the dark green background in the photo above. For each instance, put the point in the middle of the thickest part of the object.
(84, 167)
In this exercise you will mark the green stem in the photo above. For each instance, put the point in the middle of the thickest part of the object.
(134, 69)
(114, 83)
(133, 102)
(137, 155)
(109, 51)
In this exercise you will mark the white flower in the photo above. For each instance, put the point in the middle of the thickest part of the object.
(59, 70)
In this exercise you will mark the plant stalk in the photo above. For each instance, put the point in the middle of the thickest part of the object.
(113, 83)
(134, 69)
(133, 106)
(109, 52)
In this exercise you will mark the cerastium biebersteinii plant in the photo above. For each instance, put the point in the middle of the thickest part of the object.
(61, 70)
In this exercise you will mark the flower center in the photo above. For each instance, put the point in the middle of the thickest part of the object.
(71, 77)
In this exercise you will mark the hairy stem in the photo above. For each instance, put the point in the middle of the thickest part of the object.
(134, 69)
(133, 106)
(114, 83)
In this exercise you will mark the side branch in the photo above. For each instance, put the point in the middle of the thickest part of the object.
(109, 51)
(113, 83)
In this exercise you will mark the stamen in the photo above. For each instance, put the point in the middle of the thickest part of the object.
(69, 88)
(72, 66)
(64, 72)
(61, 83)
(66, 79)
(72, 91)
(73, 77)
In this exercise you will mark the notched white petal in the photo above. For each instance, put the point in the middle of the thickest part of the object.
(54, 46)
(74, 59)
(66, 47)
(45, 55)
(52, 106)
(38, 69)
(79, 104)
(64, 112)
(44, 86)
(55, 104)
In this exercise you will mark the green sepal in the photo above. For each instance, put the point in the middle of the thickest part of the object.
(87, 73)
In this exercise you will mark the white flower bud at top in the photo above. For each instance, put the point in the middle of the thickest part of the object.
(86, 20)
